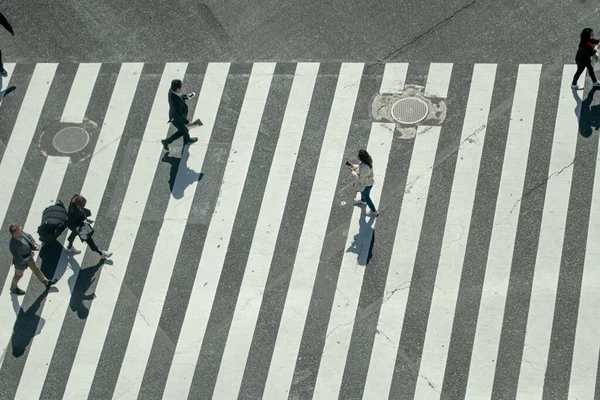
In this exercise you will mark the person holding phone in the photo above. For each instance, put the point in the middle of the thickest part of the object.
(178, 111)
(583, 58)
(79, 224)
(364, 178)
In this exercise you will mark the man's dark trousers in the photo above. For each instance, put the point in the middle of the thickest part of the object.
(182, 130)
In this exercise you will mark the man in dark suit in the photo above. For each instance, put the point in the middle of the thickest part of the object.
(178, 115)
(5, 24)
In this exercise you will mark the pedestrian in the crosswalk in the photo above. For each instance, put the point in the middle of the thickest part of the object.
(583, 58)
(178, 111)
(4, 22)
(364, 178)
(80, 225)
(22, 247)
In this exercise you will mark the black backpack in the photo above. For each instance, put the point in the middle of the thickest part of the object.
(54, 222)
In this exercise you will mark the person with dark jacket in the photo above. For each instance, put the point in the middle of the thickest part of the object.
(583, 58)
(8, 27)
(178, 111)
(22, 246)
(79, 224)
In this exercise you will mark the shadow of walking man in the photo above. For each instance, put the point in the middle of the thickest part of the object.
(27, 325)
(180, 176)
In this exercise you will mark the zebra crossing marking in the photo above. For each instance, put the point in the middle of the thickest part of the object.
(456, 232)
(169, 239)
(247, 308)
(550, 245)
(502, 241)
(219, 233)
(281, 370)
(93, 337)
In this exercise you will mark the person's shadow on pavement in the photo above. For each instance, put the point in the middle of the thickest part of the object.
(364, 240)
(27, 325)
(588, 115)
(181, 176)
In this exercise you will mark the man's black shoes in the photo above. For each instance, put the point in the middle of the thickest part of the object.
(192, 140)
(165, 145)
(4, 74)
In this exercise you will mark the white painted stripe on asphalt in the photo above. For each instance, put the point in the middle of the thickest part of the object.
(4, 82)
(170, 236)
(22, 134)
(587, 342)
(45, 195)
(219, 233)
(265, 236)
(394, 77)
(438, 80)
(352, 270)
(395, 297)
(456, 233)
(81, 93)
(313, 233)
(506, 219)
(130, 216)
(400, 271)
(550, 245)
(43, 346)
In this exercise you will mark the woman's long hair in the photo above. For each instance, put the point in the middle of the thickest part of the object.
(365, 158)
(79, 200)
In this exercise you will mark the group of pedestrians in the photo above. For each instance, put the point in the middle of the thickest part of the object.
(23, 246)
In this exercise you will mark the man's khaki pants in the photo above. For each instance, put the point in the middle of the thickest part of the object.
(36, 271)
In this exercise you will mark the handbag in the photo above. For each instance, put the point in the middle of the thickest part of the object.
(85, 232)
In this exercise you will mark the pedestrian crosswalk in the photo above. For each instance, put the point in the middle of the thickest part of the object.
(241, 267)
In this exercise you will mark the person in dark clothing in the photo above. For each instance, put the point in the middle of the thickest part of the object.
(178, 115)
(5, 24)
(77, 220)
(583, 58)
(22, 246)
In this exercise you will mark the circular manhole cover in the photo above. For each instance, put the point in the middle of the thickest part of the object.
(410, 110)
(70, 140)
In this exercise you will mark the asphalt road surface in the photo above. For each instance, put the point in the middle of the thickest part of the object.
(240, 267)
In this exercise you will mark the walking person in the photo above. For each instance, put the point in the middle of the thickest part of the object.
(79, 224)
(22, 246)
(583, 58)
(364, 180)
(178, 111)
(4, 22)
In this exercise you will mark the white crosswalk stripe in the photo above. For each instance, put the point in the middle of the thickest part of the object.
(203, 298)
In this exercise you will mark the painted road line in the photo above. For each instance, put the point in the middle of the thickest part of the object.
(54, 312)
(306, 263)
(45, 195)
(587, 342)
(21, 136)
(81, 93)
(438, 80)
(169, 239)
(456, 232)
(349, 284)
(128, 223)
(400, 272)
(394, 77)
(393, 307)
(504, 231)
(265, 235)
(219, 233)
(550, 245)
